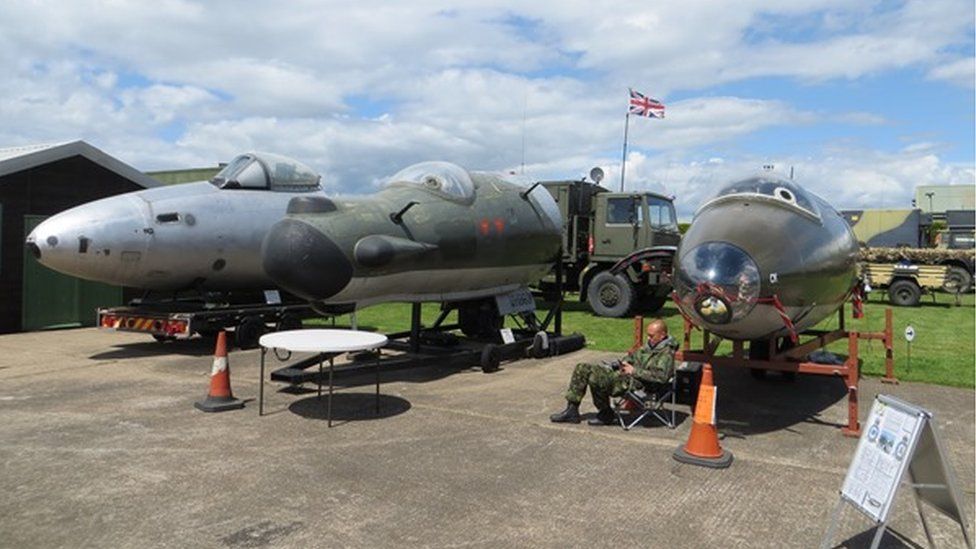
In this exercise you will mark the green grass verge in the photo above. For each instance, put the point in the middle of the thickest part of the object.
(944, 350)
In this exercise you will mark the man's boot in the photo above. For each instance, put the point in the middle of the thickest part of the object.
(569, 415)
(604, 417)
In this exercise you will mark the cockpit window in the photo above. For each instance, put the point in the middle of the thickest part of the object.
(264, 171)
(441, 177)
(782, 190)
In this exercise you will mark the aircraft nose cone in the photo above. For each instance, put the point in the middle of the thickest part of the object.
(87, 241)
(717, 282)
(52, 245)
(303, 261)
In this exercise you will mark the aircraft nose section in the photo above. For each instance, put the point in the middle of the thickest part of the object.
(717, 282)
(51, 243)
(87, 241)
(304, 261)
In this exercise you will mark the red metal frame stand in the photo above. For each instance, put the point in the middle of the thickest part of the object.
(791, 360)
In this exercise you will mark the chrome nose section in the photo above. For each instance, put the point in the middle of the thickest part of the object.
(304, 261)
(717, 282)
(87, 241)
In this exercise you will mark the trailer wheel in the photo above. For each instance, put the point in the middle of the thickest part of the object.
(540, 345)
(957, 280)
(611, 295)
(163, 338)
(288, 322)
(491, 357)
(904, 293)
(248, 332)
(480, 319)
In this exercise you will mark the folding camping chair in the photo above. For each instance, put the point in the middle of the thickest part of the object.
(650, 401)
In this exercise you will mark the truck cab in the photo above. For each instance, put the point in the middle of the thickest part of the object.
(627, 222)
(617, 247)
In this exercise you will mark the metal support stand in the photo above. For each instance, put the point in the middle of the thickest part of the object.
(638, 332)
(889, 353)
(264, 351)
(558, 327)
(790, 360)
(415, 327)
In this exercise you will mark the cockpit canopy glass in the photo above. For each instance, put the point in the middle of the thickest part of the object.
(442, 177)
(782, 190)
(266, 171)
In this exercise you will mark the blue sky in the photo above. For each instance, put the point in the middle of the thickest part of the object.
(865, 99)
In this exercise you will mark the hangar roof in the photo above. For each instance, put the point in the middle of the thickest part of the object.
(16, 159)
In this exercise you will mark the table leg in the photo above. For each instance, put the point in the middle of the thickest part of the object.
(320, 377)
(331, 387)
(377, 381)
(261, 385)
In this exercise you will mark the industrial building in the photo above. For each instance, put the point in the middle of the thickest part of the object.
(35, 182)
(938, 199)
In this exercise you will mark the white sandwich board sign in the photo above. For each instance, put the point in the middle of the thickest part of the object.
(900, 439)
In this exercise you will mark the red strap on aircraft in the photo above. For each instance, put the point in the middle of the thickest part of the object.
(778, 305)
(677, 304)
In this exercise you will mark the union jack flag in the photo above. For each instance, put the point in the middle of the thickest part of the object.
(642, 105)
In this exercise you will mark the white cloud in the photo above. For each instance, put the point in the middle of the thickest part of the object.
(961, 72)
(846, 178)
(469, 84)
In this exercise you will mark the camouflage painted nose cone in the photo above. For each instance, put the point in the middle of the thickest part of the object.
(761, 249)
(304, 261)
(436, 233)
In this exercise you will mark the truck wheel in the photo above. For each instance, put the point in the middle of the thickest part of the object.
(611, 295)
(904, 293)
(248, 332)
(957, 280)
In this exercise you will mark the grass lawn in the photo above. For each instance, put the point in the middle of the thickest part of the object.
(944, 350)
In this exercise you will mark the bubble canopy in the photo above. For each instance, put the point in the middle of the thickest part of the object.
(782, 191)
(265, 171)
(443, 177)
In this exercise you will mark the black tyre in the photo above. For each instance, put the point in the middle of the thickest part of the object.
(480, 319)
(288, 322)
(611, 295)
(248, 332)
(491, 357)
(904, 293)
(957, 280)
(163, 338)
(540, 345)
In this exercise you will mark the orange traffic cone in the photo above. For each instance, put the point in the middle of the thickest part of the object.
(702, 447)
(220, 398)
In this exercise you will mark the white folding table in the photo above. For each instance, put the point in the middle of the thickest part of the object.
(328, 344)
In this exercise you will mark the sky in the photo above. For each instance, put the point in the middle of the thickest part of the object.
(862, 99)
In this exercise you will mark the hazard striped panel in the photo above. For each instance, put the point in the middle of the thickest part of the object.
(161, 326)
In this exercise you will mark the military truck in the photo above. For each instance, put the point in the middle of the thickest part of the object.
(617, 247)
(897, 255)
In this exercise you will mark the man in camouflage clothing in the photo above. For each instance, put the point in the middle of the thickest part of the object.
(652, 363)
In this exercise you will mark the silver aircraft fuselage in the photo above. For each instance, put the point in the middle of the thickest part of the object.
(763, 250)
(203, 235)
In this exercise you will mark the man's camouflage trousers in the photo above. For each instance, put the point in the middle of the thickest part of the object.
(602, 381)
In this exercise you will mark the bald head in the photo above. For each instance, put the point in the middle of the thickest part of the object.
(657, 330)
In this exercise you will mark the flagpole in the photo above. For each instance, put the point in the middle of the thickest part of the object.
(623, 163)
